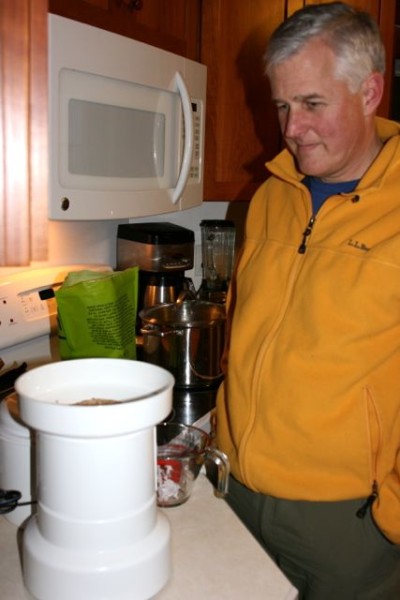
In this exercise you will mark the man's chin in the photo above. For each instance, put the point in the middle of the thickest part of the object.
(307, 168)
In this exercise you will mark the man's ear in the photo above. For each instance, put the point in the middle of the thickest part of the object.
(372, 91)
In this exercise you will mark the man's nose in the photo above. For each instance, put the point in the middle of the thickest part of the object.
(294, 124)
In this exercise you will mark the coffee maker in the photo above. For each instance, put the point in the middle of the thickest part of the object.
(163, 252)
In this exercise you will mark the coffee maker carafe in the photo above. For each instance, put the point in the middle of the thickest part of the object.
(163, 252)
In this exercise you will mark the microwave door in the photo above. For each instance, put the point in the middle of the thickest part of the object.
(117, 135)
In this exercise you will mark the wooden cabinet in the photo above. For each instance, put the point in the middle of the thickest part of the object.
(242, 131)
(395, 100)
(384, 12)
(23, 132)
(241, 126)
(169, 24)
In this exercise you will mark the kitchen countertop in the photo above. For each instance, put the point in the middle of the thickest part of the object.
(214, 556)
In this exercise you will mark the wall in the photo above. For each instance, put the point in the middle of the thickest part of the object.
(95, 241)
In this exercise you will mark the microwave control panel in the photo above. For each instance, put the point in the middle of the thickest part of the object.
(195, 173)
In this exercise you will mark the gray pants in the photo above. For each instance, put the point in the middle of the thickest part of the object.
(324, 549)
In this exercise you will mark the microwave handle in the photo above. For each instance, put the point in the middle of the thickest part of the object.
(176, 193)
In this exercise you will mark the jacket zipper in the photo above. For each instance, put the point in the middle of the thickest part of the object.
(308, 230)
(362, 511)
(354, 197)
(306, 233)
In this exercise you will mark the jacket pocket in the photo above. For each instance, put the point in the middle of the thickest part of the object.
(377, 533)
(374, 432)
(374, 443)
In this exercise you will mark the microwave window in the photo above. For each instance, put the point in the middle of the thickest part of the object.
(114, 141)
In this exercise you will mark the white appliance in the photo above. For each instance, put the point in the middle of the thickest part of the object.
(97, 532)
(126, 126)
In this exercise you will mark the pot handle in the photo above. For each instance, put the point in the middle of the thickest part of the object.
(206, 377)
(149, 329)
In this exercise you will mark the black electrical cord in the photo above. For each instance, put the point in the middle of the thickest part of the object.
(9, 501)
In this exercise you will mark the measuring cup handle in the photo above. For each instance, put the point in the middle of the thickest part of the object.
(217, 469)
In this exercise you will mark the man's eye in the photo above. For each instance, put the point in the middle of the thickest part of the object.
(312, 105)
(282, 107)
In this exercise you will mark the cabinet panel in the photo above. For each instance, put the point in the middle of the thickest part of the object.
(395, 100)
(23, 132)
(173, 26)
(387, 17)
(384, 12)
(371, 6)
(241, 129)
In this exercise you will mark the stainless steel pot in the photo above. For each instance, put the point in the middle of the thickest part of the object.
(187, 339)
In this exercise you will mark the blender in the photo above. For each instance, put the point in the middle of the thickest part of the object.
(218, 253)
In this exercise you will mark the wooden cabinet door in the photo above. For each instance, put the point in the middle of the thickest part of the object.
(169, 24)
(384, 11)
(371, 6)
(241, 126)
(23, 132)
(241, 129)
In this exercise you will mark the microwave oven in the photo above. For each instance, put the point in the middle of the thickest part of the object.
(126, 126)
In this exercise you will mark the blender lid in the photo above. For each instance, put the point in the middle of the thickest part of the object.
(156, 233)
(217, 223)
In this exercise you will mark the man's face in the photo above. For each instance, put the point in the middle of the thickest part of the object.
(323, 123)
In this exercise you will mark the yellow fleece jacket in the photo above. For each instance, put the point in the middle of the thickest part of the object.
(310, 405)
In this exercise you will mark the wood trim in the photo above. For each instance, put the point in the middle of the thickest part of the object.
(293, 5)
(38, 146)
(387, 20)
(14, 208)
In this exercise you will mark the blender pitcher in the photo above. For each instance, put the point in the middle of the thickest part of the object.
(218, 252)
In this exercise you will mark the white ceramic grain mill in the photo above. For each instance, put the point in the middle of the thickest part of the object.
(97, 533)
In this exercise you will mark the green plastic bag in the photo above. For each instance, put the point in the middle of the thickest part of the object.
(96, 313)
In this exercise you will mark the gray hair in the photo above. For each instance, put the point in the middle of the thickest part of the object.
(353, 36)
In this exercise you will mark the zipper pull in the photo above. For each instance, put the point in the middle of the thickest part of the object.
(303, 246)
(362, 511)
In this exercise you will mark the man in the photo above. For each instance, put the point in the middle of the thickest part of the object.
(309, 412)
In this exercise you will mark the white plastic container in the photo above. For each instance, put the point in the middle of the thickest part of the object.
(16, 468)
(97, 532)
